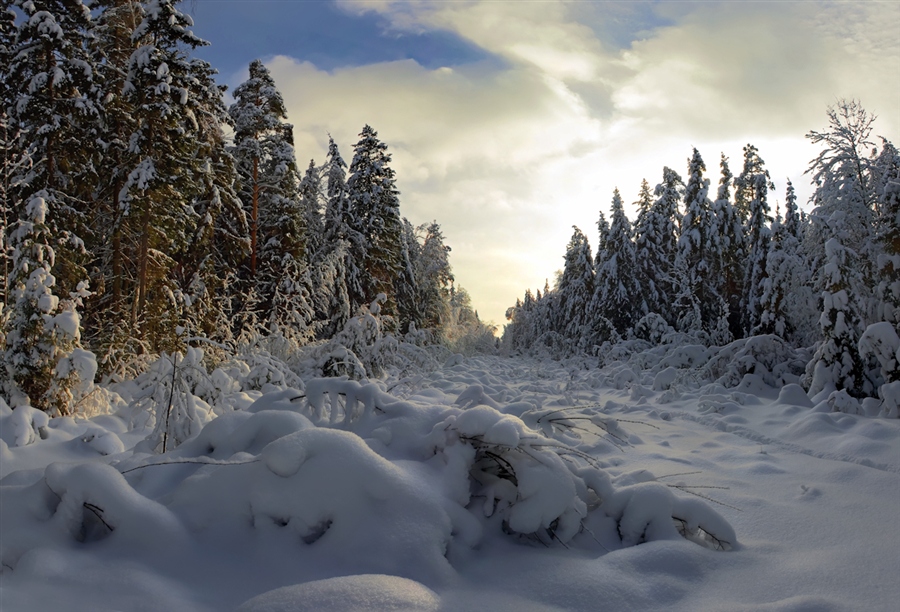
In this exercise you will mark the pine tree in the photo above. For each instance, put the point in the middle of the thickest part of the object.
(615, 289)
(264, 152)
(220, 244)
(11, 154)
(375, 215)
(169, 93)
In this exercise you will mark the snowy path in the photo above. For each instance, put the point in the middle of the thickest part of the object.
(812, 496)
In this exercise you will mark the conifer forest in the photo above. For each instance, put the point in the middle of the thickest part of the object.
(232, 379)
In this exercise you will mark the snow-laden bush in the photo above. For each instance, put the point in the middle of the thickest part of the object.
(652, 328)
(166, 392)
(344, 475)
(881, 343)
(772, 359)
(361, 349)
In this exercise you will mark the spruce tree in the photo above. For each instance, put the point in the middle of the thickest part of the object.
(836, 363)
(656, 236)
(51, 79)
(40, 330)
(575, 290)
(615, 289)
(434, 278)
(729, 253)
(887, 234)
(311, 199)
(374, 213)
(698, 305)
(753, 186)
(340, 280)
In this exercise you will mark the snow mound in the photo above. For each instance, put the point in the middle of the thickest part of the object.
(362, 593)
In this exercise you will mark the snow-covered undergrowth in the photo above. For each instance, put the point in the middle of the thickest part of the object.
(669, 477)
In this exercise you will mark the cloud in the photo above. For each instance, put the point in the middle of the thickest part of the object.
(507, 155)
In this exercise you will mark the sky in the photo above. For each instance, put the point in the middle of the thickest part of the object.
(511, 121)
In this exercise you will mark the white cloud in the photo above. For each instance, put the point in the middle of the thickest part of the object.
(507, 159)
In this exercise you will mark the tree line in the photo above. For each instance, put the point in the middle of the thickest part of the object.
(130, 222)
(721, 267)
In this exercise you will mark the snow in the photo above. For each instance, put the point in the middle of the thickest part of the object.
(488, 483)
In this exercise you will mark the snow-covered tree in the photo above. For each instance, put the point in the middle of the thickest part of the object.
(699, 305)
(42, 333)
(656, 236)
(836, 364)
(842, 173)
(434, 278)
(311, 198)
(728, 251)
(170, 94)
(375, 214)
(341, 239)
(887, 235)
(787, 303)
(11, 154)
(616, 294)
(264, 150)
(575, 289)
(752, 190)
(51, 77)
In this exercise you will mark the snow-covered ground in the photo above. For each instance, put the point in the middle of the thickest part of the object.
(487, 484)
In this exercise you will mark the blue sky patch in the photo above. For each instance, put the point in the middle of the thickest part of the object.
(318, 32)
